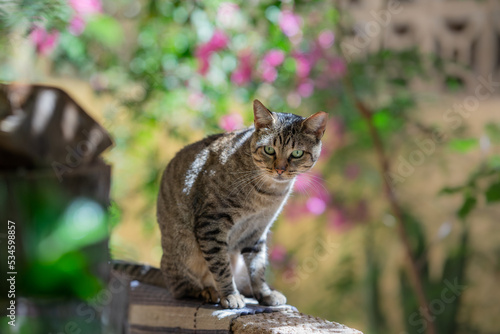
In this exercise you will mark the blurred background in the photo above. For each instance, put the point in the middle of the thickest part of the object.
(405, 195)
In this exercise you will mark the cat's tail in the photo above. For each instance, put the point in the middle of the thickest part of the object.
(140, 272)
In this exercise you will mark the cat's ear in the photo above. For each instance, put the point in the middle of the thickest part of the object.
(315, 124)
(263, 118)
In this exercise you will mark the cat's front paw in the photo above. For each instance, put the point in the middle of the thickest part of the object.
(233, 301)
(274, 299)
(210, 295)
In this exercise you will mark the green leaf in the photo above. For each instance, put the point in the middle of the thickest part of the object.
(114, 214)
(468, 205)
(454, 84)
(494, 162)
(450, 190)
(399, 82)
(381, 120)
(493, 193)
(463, 145)
(493, 132)
(106, 30)
(73, 46)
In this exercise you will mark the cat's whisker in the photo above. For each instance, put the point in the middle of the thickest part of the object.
(248, 176)
(241, 181)
(247, 184)
(240, 185)
(314, 186)
(245, 172)
(244, 181)
(320, 178)
(316, 183)
(243, 184)
(260, 181)
(312, 183)
(303, 187)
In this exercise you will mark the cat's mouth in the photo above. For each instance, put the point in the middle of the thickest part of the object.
(281, 177)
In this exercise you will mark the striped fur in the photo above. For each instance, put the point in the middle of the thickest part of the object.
(139, 272)
(219, 197)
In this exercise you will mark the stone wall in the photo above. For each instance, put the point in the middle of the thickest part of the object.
(465, 34)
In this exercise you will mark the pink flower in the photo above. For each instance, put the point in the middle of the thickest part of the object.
(289, 23)
(274, 57)
(269, 73)
(227, 13)
(86, 7)
(303, 65)
(326, 39)
(218, 42)
(243, 73)
(337, 67)
(38, 35)
(44, 41)
(231, 122)
(306, 88)
(241, 76)
(316, 205)
(278, 253)
(82, 9)
(77, 25)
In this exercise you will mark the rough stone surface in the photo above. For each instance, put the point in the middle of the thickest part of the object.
(289, 322)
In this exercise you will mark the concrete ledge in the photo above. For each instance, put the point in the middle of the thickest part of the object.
(286, 322)
(151, 309)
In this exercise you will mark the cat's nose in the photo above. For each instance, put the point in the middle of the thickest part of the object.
(279, 171)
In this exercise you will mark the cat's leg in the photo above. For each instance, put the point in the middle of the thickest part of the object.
(185, 271)
(180, 283)
(211, 234)
(240, 274)
(256, 262)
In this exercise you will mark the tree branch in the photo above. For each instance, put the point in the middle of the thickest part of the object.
(384, 169)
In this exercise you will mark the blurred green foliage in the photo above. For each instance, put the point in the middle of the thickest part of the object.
(59, 239)
(149, 56)
(60, 254)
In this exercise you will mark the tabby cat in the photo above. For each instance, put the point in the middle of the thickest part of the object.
(219, 197)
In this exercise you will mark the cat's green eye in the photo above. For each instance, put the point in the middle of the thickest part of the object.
(297, 153)
(269, 150)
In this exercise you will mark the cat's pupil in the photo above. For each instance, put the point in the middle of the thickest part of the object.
(269, 150)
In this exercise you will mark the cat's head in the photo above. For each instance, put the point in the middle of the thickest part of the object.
(285, 145)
